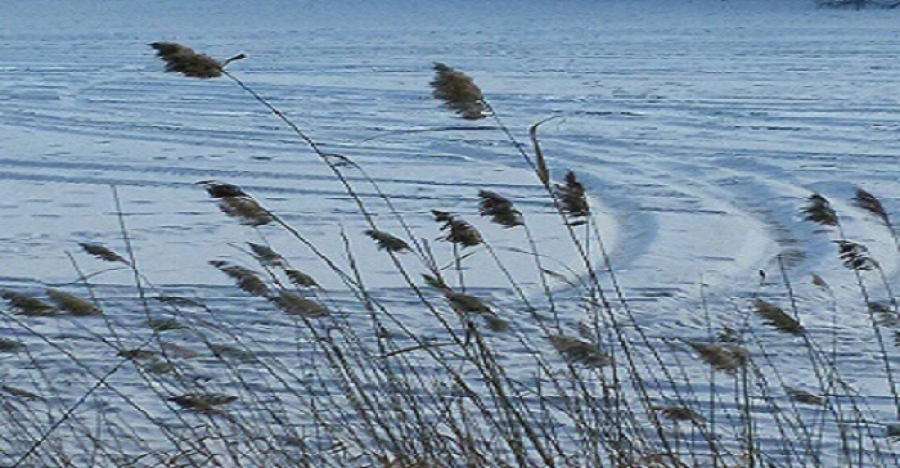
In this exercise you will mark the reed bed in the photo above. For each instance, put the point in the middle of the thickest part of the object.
(436, 373)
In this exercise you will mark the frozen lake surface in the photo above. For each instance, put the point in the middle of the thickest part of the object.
(699, 129)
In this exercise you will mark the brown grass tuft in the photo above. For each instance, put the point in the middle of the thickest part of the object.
(183, 59)
(458, 92)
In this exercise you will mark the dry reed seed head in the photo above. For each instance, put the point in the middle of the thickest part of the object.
(726, 357)
(573, 199)
(28, 306)
(802, 396)
(870, 203)
(387, 241)
(436, 282)
(301, 279)
(265, 255)
(10, 346)
(818, 281)
(458, 92)
(457, 230)
(136, 354)
(246, 210)
(777, 318)
(499, 208)
(495, 323)
(884, 315)
(183, 59)
(855, 256)
(578, 351)
(728, 335)
(465, 304)
(20, 393)
(73, 304)
(246, 279)
(178, 351)
(224, 351)
(818, 210)
(217, 189)
(202, 402)
(165, 324)
(292, 304)
(679, 413)
(102, 252)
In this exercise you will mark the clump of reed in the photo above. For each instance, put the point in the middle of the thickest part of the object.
(436, 372)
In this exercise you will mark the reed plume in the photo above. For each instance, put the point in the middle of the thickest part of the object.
(28, 306)
(818, 210)
(246, 279)
(182, 59)
(802, 396)
(578, 351)
(573, 199)
(458, 92)
(870, 203)
(679, 413)
(777, 318)
(499, 208)
(234, 202)
(202, 402)
(387, 241)
(855, 256)
(457, 231)
(10, 346)
(73, 304)
(726, 357)
(293, 304)
(265, 255)
(103, 253)
(301, 279)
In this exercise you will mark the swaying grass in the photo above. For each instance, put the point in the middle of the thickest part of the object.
(433, 373)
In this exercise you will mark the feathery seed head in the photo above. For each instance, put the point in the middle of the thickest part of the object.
(499, 208)
(459, 92)
(183, 59)
(819, 210)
